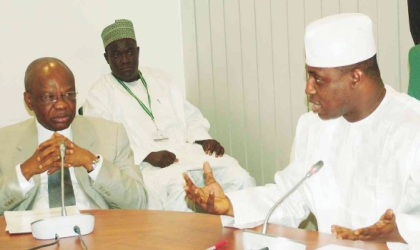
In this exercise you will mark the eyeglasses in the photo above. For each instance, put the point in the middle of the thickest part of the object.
(69, 96)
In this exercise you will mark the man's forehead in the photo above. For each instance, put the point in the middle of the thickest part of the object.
(54, 81)
(310, 69)
(320, 71)
(54, 84)
(122, 44)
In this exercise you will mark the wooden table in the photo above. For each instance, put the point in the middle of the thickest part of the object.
(146, 229)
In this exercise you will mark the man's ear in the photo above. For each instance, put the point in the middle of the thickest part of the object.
(106, 57)
(138, 50)
(357, 76)
(28, 101)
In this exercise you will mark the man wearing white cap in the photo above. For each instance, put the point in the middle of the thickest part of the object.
(168, 135)
(365, 132)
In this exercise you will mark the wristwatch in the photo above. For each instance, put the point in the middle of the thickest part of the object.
(95, 162)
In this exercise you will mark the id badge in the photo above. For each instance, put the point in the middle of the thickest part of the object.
(159, 135)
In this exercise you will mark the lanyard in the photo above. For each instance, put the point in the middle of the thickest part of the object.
(147, 110)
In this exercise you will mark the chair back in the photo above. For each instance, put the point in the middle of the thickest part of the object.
(414, 80)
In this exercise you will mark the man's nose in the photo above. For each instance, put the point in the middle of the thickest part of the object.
(124, 58)
(309, 89)
(60, 103)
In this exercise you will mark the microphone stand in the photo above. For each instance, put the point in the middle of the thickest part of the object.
(315, 168)
(62, 155)
(63, 226)
(254, 240)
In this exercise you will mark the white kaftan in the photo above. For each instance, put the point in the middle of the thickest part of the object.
(183, 124)
(369, 166)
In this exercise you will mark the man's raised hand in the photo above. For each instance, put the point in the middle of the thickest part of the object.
(211, 197)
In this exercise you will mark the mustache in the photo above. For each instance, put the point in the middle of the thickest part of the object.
(310, 98)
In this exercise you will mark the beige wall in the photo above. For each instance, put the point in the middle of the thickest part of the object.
(245, 70)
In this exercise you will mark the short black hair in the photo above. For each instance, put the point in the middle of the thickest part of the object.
(369, 66)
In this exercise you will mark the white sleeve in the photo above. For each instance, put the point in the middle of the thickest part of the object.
(140, 153)
(252, 205)
(25, 185)
(98, 103)
(197, 126)
(408, 215)
(409, 228)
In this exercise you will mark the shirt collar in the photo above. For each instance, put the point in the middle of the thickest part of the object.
(45, 134)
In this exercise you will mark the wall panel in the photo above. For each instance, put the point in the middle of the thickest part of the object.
(205, 62)
(349, 6)
(235, 85)
(370, 8)
(330, 7)
(266, 87)
(221, 93)
(189, 37)
(296, 24)
(282, 89)
(388, 42)
(250, 83)
(313, 10)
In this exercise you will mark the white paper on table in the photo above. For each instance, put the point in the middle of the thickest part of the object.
(20, 221)
(228, 221)
(337, 247)
(252, 240)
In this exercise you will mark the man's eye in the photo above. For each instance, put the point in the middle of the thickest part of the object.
(48, 97)
(130, 52)
(317, 80)
(116, 55)
(69, 94)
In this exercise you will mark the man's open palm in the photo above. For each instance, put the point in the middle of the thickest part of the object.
(211, 197)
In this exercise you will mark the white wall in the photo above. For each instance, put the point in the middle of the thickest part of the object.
(70, 30)
(245, 68)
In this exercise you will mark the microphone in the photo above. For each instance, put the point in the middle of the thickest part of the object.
(62, 152)
(63, 226)
(62, 156)
(314, 169)
(254, 240)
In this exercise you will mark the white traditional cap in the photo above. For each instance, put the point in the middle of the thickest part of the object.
(339, 40)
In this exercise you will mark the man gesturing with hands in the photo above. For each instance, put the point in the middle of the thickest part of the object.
(364, 131)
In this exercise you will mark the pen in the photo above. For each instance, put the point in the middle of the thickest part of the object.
(218, 245)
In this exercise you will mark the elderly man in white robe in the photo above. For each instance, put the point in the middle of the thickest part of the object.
(366, 133)
(168, 135)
